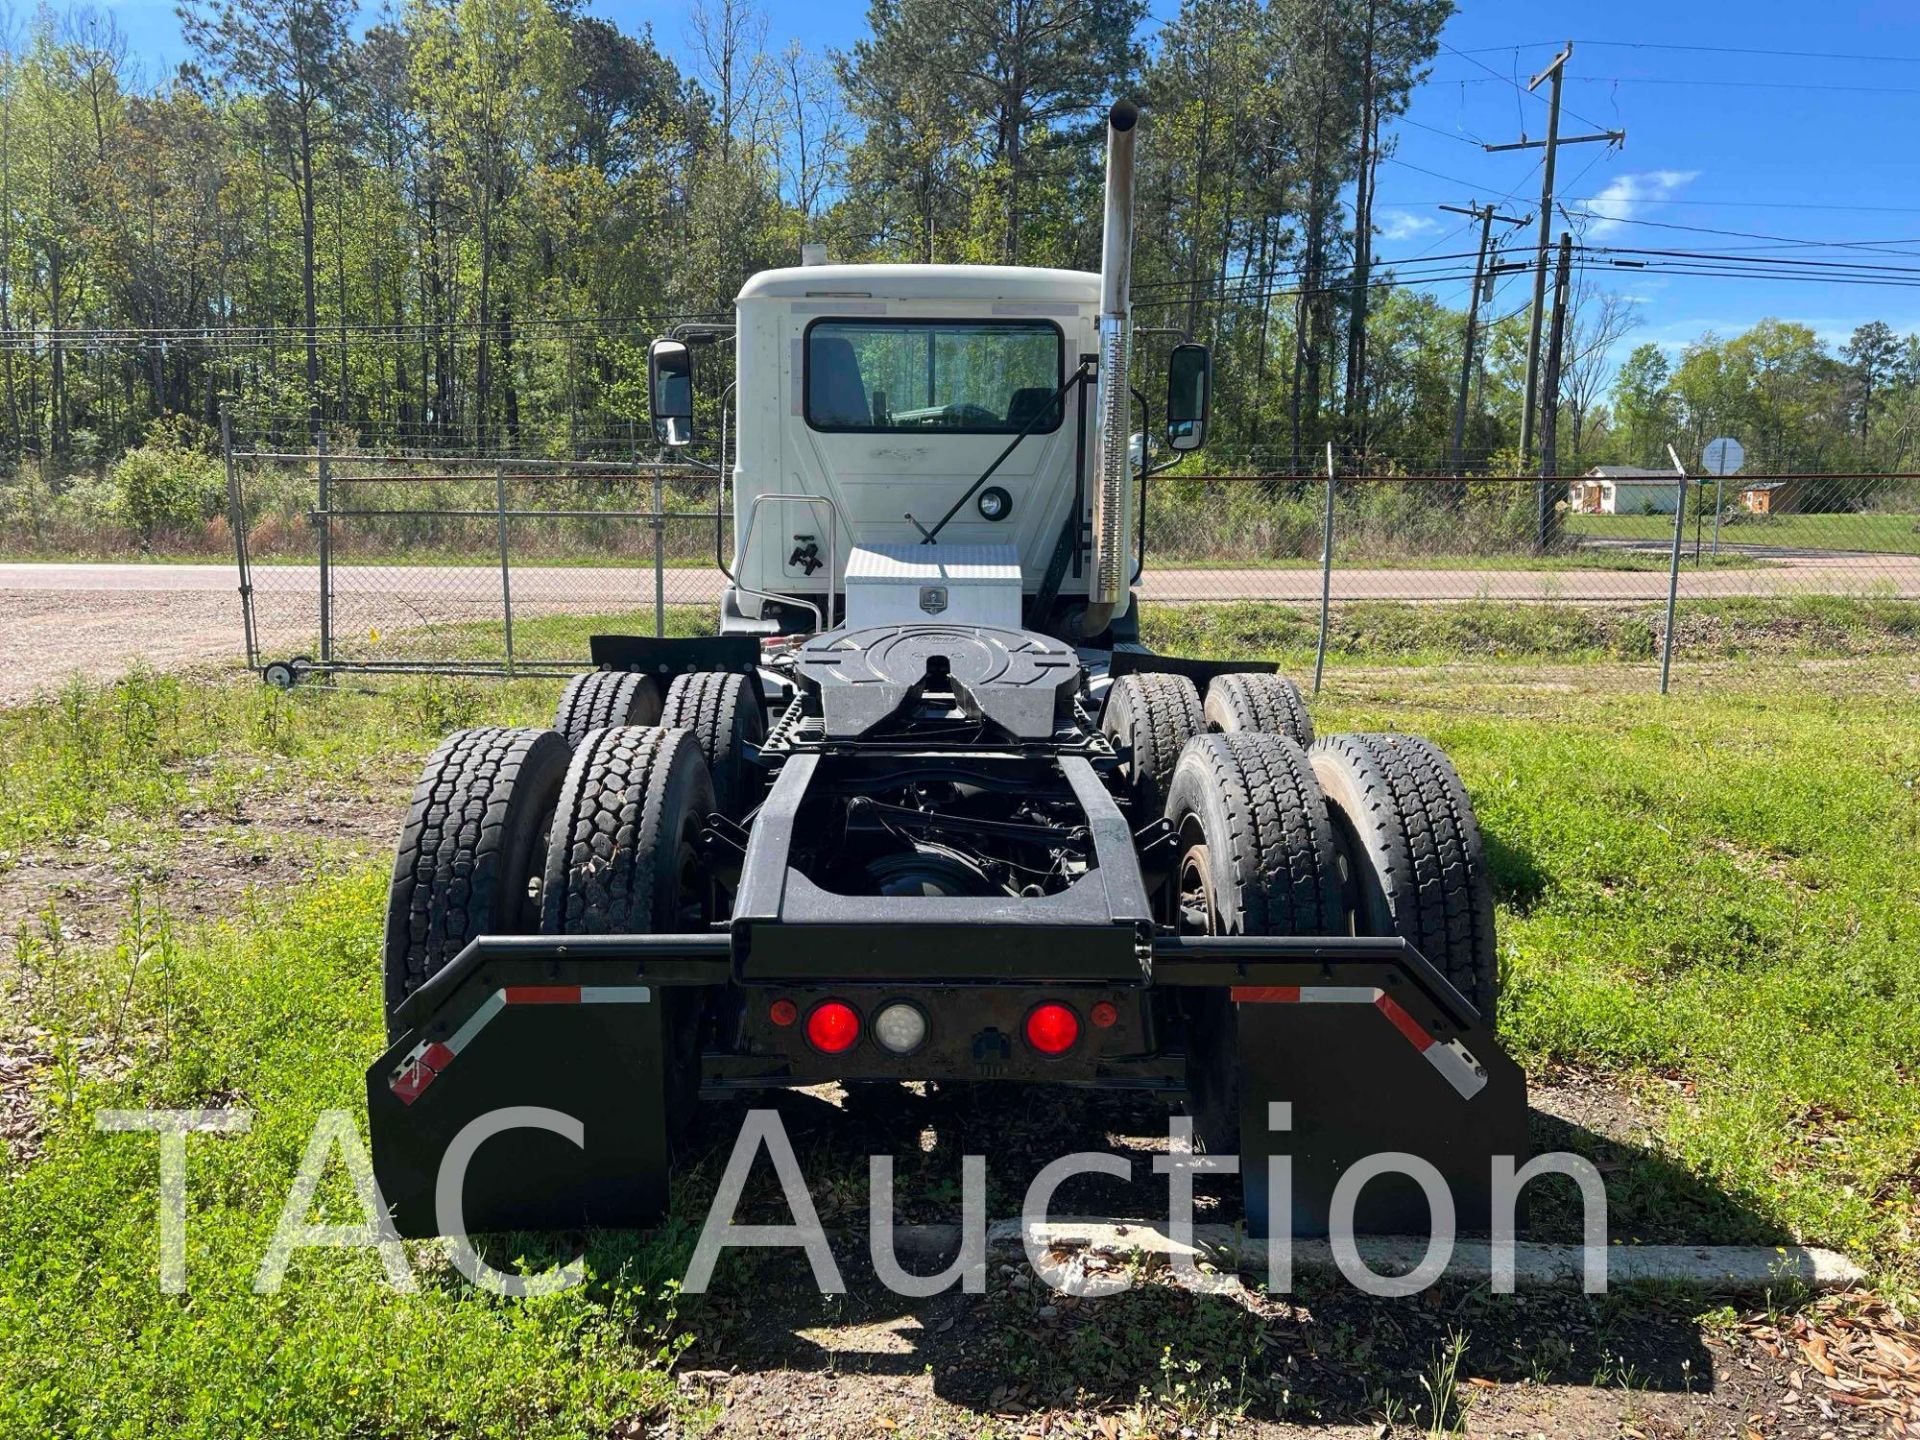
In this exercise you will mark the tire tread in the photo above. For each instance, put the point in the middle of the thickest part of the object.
(602, 698)
(448, 885)
(1432, 864)
(1267, 704)
(1156, 714)
(722, 713)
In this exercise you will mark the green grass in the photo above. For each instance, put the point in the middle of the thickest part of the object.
(1361, 557)
(274, 1015)
(1393, 632)
(274, 1012)
(542, 639)
(1717, 893)
(1711, 900)
(1885, 534)
(123, 762)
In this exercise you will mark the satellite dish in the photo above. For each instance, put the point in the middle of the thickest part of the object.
(1723, 456)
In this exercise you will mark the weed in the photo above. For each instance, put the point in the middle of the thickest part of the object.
(1446, 1404)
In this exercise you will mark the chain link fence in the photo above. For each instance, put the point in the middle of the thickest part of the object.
(1574, 539)
(508, 563)
(398, 562)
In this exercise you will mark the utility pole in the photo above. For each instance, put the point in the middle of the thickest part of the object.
(1548, 521)
(1556, 73)
(1486, 215)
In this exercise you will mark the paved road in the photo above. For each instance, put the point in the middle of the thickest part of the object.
(582, 588)
(60, 620)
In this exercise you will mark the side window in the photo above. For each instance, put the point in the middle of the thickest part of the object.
(912, 376)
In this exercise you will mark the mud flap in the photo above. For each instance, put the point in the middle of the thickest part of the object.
(1366, 1070)
(519, 1071)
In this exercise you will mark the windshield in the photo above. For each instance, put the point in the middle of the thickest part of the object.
(965, 376)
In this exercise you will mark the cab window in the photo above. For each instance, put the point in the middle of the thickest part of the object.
(973, 377)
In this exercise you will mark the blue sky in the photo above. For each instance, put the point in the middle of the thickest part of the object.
(1788, 146)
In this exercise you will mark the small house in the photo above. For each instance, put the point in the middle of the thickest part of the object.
(1625, 490)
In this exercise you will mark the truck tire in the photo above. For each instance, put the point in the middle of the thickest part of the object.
(475, 838)
(624, 858)
(1417, 866)
(723, 712)
(1265, 704)
(1152, 716)
(606, 697)
(1257, 857)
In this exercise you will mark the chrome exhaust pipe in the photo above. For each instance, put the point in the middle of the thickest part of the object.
(1110, 571)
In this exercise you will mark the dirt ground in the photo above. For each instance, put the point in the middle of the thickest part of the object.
(48, 637)
(267, 843)
(775, 1358)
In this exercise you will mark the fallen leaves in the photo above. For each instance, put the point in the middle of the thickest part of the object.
(1864, 1351)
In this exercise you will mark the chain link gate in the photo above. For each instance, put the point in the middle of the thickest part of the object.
(466, 564)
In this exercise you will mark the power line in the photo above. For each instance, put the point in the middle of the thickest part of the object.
(1726, 204)
(1450, 179)
(1698, 49)
(1245, 277)
(1693, 84)
(1754, 204)
(1781, 261)
(1473, 140)
(1871, 246)
(1506, 80)
(1748, 50)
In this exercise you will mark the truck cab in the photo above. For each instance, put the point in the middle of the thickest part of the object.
(922, 431)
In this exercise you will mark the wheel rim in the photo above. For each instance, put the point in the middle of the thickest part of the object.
(693, 895)
(533, 890)
(1196, 914)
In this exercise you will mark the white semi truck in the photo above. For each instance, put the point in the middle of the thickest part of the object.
(924, 808)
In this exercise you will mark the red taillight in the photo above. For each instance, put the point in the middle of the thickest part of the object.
(1105, 1015)
(833, 1027)
(783, 1013)
(1052, 1028)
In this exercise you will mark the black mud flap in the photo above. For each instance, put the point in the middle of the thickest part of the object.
(1360, 1070)
(1352, 1049)
(505, 1078)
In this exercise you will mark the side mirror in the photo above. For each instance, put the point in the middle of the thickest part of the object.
(670, 391)
(1189, 394)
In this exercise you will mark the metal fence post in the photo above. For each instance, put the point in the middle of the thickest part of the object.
(506, 570)
(1719, 506)
(237, 518)
(1673, 569)
(1326, 576)
(659, 557)
(326, 549)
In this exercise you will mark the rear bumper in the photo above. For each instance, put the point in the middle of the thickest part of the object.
(1370, 1047)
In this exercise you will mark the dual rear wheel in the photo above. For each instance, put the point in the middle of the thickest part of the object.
(589, 828)
(1283, 834)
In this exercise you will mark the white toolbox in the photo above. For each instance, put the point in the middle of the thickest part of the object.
(948, 584)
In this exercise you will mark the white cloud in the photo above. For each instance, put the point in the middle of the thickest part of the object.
(1616, 203)
(1404, 224)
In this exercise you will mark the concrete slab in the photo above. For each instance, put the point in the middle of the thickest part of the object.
(1743, 1270)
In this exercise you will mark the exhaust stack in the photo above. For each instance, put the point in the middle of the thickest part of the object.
(1112, 494)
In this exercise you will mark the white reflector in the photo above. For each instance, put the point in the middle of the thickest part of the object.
(900, 1027)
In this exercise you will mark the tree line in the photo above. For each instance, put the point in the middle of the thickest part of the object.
(461, 224)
